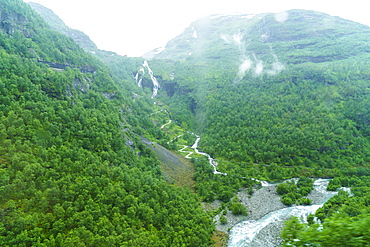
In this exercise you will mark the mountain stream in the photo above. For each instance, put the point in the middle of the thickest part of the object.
(265, 231)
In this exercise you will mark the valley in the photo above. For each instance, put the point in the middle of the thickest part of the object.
(242, 131)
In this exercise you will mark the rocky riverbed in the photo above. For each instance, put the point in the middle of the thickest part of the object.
(262, 202)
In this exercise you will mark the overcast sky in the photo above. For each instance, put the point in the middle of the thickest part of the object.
(134, 27)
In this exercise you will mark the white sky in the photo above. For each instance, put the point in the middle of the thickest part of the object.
(134, 27)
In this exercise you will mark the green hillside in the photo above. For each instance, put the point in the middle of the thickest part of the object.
(295, 36)
(276, 97)
(273, 96)
(58, 25)
(73, 171)
(122, 68)
(298, 100)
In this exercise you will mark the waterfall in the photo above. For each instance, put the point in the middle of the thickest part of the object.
(139, 80)
(154, 80)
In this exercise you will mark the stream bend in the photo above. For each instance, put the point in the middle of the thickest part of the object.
(266, 230)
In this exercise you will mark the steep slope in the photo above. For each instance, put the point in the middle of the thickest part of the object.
(72, 169)
(296, 36)
(273, 95)
(277, 96)
(58, 25)
(122, 68)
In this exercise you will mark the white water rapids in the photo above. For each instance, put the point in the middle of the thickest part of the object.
(245, 233)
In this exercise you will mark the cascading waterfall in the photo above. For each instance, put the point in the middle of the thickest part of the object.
(212, 162)
(137, 77)
(138, 80)
(246, 232)
(154, 80)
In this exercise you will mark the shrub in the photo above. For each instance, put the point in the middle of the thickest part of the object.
(223, 220)
(238, 209)
(287, 200)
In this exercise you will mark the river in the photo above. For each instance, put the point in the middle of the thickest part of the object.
(265, 231)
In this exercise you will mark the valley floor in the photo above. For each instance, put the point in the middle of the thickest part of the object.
(263, 201)
(178, 170)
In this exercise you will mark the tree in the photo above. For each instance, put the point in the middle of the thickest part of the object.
(223, 219)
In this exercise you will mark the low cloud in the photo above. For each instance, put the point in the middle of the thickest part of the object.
(244, 67)
(259, 68)
(236, 38)
(277, 67)
(282, 16)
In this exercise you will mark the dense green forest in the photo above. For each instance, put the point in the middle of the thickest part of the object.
(310, 118)
(298, 106)
(271, 100)
(72, 169)
(301, 108)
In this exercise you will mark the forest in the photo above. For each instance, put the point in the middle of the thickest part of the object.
(309, 119)
(75, 172)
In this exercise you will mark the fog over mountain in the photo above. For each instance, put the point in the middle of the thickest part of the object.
(124, 27)
(238, 123)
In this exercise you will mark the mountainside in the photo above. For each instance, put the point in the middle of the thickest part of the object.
(58, 25)
(267, 97)
(274, 96)
(73, 171)
(295, 36)
(273, 88)
(122, 67)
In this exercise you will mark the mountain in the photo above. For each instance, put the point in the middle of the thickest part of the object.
(58, 25)
(282, 82)
(297, 36)
(273, 96)
(73, 169)
(277, 96)
(123, 67)
(268, 97)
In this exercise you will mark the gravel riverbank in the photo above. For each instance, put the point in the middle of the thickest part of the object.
(263, 201)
